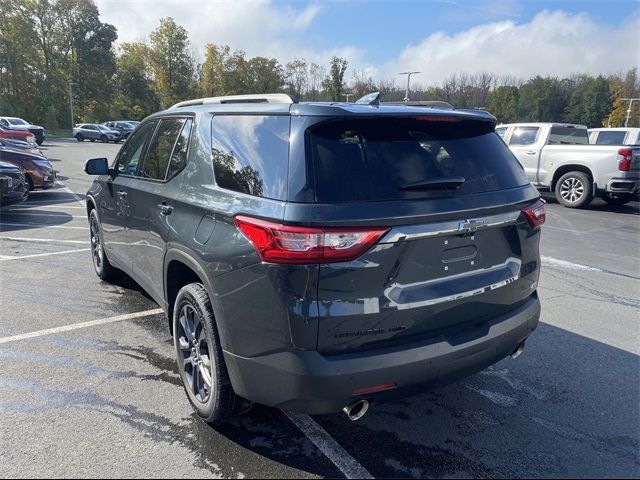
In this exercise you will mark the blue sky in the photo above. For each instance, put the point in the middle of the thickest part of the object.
(518, 38)
(383, 28)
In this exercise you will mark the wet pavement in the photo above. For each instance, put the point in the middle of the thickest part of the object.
(106, 400)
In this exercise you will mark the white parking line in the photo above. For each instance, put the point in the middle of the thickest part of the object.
(48, 254)
(348, 465)
(40, 225)
(76, 326)
(63, 215)
(47, 240)
(44, 206)
(556, 262)
(68, 190)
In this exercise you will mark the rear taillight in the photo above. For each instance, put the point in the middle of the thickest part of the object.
(535, 214)
(624, 165)
(277, 243)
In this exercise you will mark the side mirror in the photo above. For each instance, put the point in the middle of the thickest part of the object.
(96, 166)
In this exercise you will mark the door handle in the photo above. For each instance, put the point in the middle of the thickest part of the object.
(165, 209)
(530, 152)
(122, 194)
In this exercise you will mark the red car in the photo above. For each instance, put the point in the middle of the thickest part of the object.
(18, 135)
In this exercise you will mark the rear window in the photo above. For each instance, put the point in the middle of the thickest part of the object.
(568, 136)
(611, 138)
(376, 159)
(251, 154)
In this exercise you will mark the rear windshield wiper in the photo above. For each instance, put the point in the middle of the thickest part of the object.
(442, 183)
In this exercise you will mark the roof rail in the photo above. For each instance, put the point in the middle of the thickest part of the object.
(425, 103)
(258, 98)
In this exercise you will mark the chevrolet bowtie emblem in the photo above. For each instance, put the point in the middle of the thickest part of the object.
(470, 226)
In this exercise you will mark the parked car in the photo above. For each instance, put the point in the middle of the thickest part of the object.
(558, 158)
(21, 146)
(124, 127)
(335, 256)
(13, 184)
(93, 132)
(15, 123)
(18, 135)
(614, 136)
(39, 171)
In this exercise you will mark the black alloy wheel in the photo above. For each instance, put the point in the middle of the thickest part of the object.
(199, 355)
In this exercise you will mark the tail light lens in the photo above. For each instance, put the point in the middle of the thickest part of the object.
(535, 214)
(624, 165)
(277, 243)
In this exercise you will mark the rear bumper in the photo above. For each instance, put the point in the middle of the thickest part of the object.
(623, 185)
(309, 382)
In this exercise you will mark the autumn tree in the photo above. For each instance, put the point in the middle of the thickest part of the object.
(172, 62)
(333, 84)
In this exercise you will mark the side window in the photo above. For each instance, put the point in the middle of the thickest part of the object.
(157, 160)
(4, 123)
(524, 136)
(127, 163)
(179, 154)
(251, 154)
(501, 132)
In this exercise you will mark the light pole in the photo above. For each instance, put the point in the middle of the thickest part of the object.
(348, 95)
(408, 74)
(71, 103)
(630, 100)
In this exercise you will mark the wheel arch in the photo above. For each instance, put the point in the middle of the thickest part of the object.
(180, 269)
(573, 167)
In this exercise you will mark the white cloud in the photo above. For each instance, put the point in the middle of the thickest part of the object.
(552, 43)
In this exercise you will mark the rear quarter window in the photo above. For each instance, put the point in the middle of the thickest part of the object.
(568, 136)
(373, 159)
(251, 154)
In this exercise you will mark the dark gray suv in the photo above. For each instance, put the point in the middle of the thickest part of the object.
(321, 257)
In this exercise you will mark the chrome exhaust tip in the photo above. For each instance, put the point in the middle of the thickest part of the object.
(518, 351)
(356, 410)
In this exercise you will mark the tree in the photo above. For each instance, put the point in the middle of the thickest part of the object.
(333, 84)
(317, 74)
(541, 100)
(135, 91)
(627, 87)
(504, 104)
(297, 77)
(266, 75)
(173, 64)
(362, 84)
(590, 101)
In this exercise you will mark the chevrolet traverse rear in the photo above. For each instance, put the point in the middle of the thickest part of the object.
(322, 257)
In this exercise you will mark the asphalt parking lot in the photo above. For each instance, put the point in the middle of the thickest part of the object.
(89, 389)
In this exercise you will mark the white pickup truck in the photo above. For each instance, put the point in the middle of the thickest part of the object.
(614, 136)
(558, 158)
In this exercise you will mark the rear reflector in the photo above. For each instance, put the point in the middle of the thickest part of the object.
(624, 165)
(535, 214)
(277, 243)
(377, 388)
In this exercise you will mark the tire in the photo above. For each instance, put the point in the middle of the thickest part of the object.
(104, 139)
(574, 190)
(29, 183)
(101, 265)
(80, 137)
(619, 199)
(199, 355)
(39, 142)
(92, 139)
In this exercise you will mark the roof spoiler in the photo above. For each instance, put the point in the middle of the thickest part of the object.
(262, 98)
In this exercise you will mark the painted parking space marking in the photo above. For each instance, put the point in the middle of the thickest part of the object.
(40, 225)
(556, 262)
(70, 192)
(77, 326)
(348, 465)
(44, 240)
(59, 215)
(48, 254)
